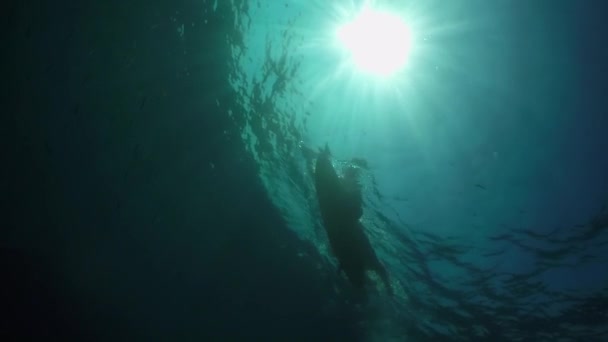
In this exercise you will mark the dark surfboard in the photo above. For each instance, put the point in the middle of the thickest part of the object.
(341, 210)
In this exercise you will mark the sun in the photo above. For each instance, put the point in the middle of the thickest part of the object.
(376, 42)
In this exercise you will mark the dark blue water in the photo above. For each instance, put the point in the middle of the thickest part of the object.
(155, 185)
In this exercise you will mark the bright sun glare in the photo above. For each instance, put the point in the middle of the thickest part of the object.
(377, 42)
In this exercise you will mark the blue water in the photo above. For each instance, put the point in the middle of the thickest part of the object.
(159, 187)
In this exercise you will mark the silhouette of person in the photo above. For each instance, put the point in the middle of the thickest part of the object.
(341, 205)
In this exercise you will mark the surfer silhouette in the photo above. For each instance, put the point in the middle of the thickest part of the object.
(341, 205)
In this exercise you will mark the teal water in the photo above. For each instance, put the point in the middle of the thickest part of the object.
(160, 159)
(485, 193)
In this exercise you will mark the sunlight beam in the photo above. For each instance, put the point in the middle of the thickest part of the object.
(377, 42)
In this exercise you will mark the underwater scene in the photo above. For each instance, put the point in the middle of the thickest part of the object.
(308, 170)
(471, 156)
